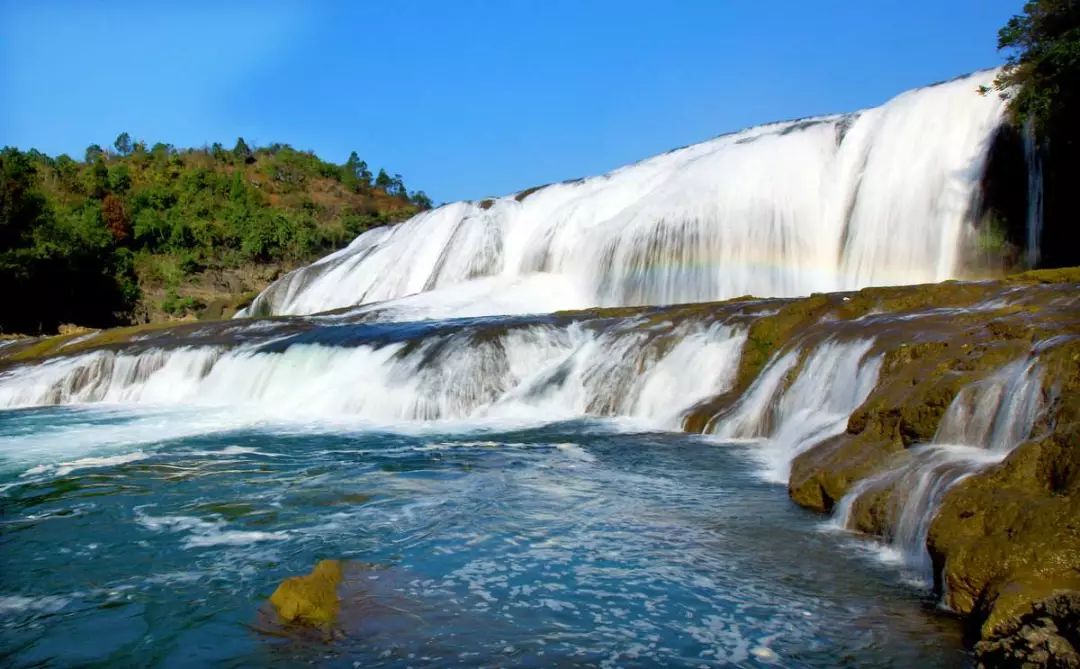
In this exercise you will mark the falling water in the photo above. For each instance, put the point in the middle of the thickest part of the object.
(837, 202)
(836, 377)
(1035, 195)
(984, 422)
(535, 370)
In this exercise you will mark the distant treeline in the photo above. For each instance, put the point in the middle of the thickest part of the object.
(80, 240)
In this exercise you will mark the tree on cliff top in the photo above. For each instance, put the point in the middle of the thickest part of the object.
(1042, 73)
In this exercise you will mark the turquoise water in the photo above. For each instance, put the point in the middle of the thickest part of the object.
(153, 537)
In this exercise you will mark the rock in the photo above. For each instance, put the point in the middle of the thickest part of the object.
(1049, 636)
(310, 600)
(72, 329)
(1009, 537)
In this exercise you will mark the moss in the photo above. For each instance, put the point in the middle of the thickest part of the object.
(1054, 276)
(821, 476)
(310, 600)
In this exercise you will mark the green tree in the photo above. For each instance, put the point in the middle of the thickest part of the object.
(420, 199)
(78, 240)
(123, 144)
(97, 178)
(383, 180)
(357, 174)
(93, 152)
(242, 153)
(160, 152)
(1041, 74)
(21, 207)
(120, 179)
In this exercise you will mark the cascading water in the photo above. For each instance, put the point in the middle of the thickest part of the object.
(882, 196)
(234, 455)
(533, 371)
(835, 378)
(1034, 196)
(982, 425)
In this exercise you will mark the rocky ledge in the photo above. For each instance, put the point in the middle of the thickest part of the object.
(1004, 543)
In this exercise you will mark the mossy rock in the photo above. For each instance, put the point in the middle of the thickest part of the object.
(1008, 539)
(1010, 536)
(1048, 636)
(821, 476)
(310, 600)
(875, 511)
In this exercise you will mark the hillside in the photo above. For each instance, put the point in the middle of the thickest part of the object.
(142, 234)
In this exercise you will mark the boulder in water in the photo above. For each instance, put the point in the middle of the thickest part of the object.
(311, 599)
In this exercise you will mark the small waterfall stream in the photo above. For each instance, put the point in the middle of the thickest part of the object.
(982, 425)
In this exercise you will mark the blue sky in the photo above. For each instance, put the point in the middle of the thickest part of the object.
(467, 98)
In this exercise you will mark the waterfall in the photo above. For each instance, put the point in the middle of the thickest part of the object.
(835, 378)
(881, 196)
(475, 370)
(1034, 195)
(983, 423)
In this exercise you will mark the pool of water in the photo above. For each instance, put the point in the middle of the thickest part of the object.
(154, 537)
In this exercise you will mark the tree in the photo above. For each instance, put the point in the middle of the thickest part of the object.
(123, 144)
(120, 179)
(21, 207)
(241, 153)
(93, 152)
(357, 175)
(97, 178)
(383, 181)
(1041, 82)
(397, 187)
(160, 152)
(420, 199)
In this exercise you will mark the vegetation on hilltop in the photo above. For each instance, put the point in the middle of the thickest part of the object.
(140, 233)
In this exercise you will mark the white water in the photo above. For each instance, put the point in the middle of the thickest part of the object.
(1035, 195)
(982, 425)
(882, 196)
(832, 382)
(534, 373)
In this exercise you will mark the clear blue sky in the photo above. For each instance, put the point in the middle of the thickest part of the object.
(466, 98)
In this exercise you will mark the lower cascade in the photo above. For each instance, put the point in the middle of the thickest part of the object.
(514, 472)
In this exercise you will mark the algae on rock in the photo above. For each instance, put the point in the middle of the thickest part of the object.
(311, 599)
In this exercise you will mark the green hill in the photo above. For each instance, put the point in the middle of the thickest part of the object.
(138, 234)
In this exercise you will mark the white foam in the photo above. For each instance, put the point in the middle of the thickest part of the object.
(204, 533)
